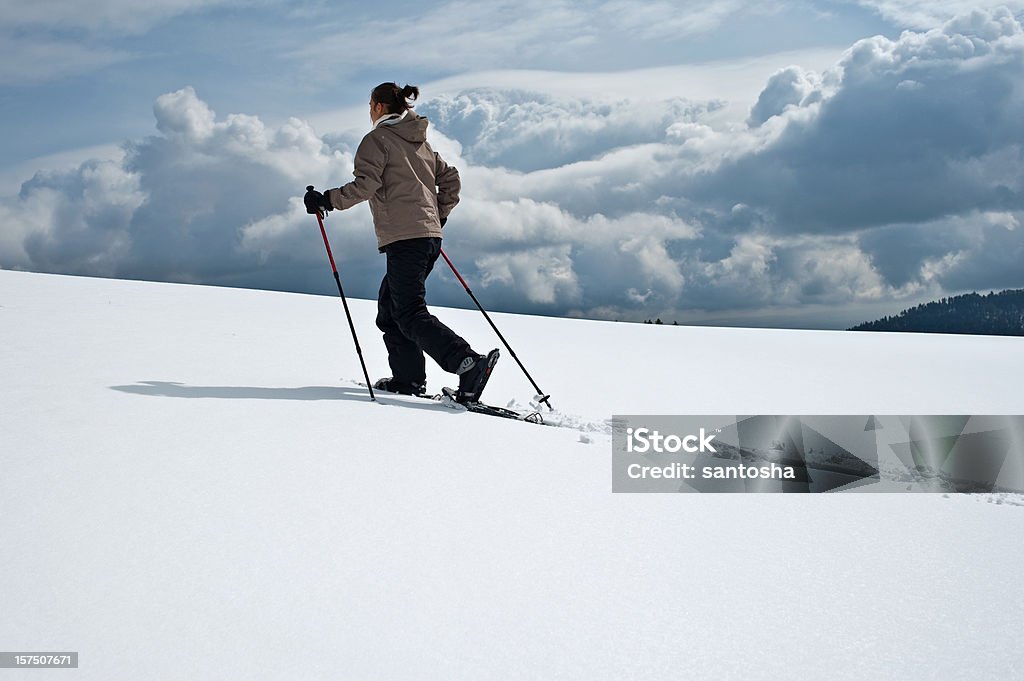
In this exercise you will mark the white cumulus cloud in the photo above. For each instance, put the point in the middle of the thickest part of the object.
(894, 174)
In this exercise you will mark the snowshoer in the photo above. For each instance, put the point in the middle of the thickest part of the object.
(411, 191)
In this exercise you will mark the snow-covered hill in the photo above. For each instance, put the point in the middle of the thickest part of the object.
(192, 486)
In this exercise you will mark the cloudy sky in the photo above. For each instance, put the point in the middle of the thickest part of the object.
(774, 163)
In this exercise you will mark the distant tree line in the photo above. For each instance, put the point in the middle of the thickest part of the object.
(997, 314)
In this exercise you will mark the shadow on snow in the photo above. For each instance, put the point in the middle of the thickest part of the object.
(233, 392)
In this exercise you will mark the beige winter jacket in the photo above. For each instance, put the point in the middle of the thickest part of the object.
(409, 186)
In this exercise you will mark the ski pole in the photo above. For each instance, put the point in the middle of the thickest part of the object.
(341, 292)
(544, 398)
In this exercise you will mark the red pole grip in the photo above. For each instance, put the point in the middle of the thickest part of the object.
(323, 233)
(461, 280)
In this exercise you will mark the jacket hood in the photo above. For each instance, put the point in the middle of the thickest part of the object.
(412, 128)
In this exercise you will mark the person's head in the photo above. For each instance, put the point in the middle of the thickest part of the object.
(388, 98)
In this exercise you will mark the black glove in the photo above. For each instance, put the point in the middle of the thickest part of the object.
(316, 202)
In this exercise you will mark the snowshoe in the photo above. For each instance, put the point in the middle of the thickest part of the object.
(490, 410)
(392, 385)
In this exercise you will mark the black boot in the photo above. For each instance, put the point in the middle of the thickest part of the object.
(391, 385)
(473, 375)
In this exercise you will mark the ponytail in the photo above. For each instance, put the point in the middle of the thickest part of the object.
(395, 98)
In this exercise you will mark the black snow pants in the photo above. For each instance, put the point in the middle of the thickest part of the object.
(409, 329)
